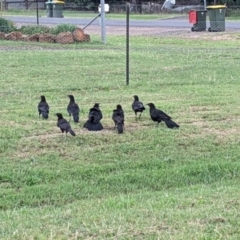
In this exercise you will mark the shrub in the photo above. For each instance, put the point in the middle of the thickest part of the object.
(63, 28)
(34, 29)
(6, 26)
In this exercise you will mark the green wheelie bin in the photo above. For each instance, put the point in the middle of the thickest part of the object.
(216, 16)
(49, 7)
(58, 9)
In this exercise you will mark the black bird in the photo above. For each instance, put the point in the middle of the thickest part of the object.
(73, 109)
(94, 117)
(137, 106)
(118, 118)
(64, 125)
(158, 115)
(43, 107)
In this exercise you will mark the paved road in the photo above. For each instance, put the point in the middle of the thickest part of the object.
(174, 22)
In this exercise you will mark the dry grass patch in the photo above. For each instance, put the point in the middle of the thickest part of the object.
(200, 109)
(206, 128)
(214, 36)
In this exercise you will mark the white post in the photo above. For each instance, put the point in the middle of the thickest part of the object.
(103, 27)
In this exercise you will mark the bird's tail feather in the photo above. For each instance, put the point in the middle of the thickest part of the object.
(45, 114)
(72, 132)
(93, 126)
(76, 118)
(171, 124)
(120, 127)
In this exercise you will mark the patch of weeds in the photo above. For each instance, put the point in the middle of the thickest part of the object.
(34, 29)
(63, 28)
(6, 26)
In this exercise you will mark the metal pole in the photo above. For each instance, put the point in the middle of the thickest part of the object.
(205, 4)
(127, 43)
(103, 27)
(37, 12)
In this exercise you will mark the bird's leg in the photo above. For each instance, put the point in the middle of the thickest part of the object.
(136, 117)
(140, 115)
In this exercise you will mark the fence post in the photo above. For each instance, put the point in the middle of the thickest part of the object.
(37, 12)
(127, 43)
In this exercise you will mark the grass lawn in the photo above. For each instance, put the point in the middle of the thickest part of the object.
(148, 183)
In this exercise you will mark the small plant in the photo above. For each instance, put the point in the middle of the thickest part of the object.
(34, 29)
(63, 28)
(6, 26)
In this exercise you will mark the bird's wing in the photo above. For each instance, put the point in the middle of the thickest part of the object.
(64, 124)
(122, 114)
(95, 115)
(47, 106)
(162, 114)
(118, 119)
(118, 116)
(76, 108)
(114, 114)
(137, 105)
(43, 107)
(73, 108)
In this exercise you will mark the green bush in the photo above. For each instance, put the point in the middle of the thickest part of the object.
(34, 29)
(63, 28)
(6, 26)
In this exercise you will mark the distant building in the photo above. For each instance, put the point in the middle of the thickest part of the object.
(22, 4)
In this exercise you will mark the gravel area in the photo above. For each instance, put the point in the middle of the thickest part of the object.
(137, 31)
(232, 34)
